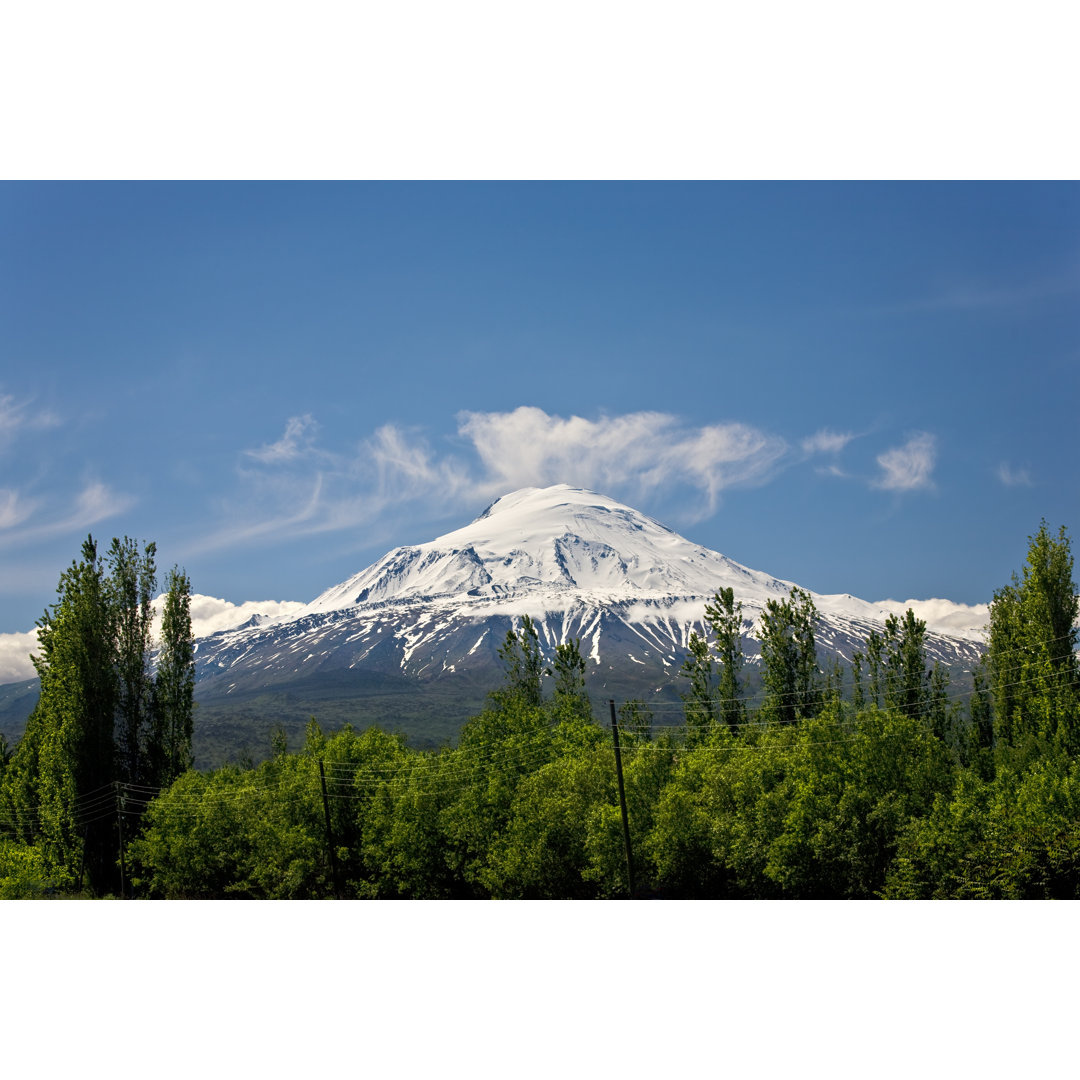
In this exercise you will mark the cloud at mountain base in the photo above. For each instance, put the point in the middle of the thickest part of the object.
(209, 615)
(15, 650)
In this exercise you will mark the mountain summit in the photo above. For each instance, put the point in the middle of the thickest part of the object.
(555, 542)
(428, 619)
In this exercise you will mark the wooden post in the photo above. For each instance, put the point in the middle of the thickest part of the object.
(120, 827)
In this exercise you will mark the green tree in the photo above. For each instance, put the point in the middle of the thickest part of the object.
(724, 617)
(497, 749)
(542, 853)
(635, 719)
(789, 659)
(570, 699)
(520, 654)
(1035, 680)
(97, 723)
(174, 686)
(73, 723)
(700, 700)
(131, 583)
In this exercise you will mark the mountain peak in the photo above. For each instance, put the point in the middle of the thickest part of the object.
(582, 565)
(532, 500)
(559, 538)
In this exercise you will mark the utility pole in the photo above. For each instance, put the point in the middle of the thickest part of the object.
(120, 827)
(329, 832)
(622, 802)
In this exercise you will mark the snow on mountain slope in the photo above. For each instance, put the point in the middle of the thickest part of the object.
(557, 539)
(581, 565)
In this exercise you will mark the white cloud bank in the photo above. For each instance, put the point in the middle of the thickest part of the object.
(968, 621)
(639, 451)
(208, 616)
(15, 650)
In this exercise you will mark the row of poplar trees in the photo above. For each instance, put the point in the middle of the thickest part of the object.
(112, 717)
(1026, 687)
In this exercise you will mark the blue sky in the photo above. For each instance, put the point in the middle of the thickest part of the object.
(862, 387)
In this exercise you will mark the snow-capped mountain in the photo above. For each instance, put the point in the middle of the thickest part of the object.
(581, 565)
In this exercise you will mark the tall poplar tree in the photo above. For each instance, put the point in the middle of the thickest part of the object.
(700, 700)
(789, 657)
(173, 719)
(72, 727)
(102, 720)
(520, 653)
(570, 699)
(1035, 679)
(724, 617)
(131, 583)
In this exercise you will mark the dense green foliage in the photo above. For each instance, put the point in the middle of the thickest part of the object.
(876, 784)
(106, 731)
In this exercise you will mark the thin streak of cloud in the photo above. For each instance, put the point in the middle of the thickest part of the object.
(299, 437)
(832, 470)
(407, 468)
(280, 524)
(908, 467)
(16, 417)
(14, 510)
(827, 441)
(96, 502)
(975, 296)
(1011, 477)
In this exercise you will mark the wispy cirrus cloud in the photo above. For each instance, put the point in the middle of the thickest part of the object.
(23, 522)
(17, 417)
(976, 296)
(827, 441)
(1011, 477)
(406, 467)
(908, 467)
(298, 440)
(295, 488)
(14, 509)
(971, 294)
